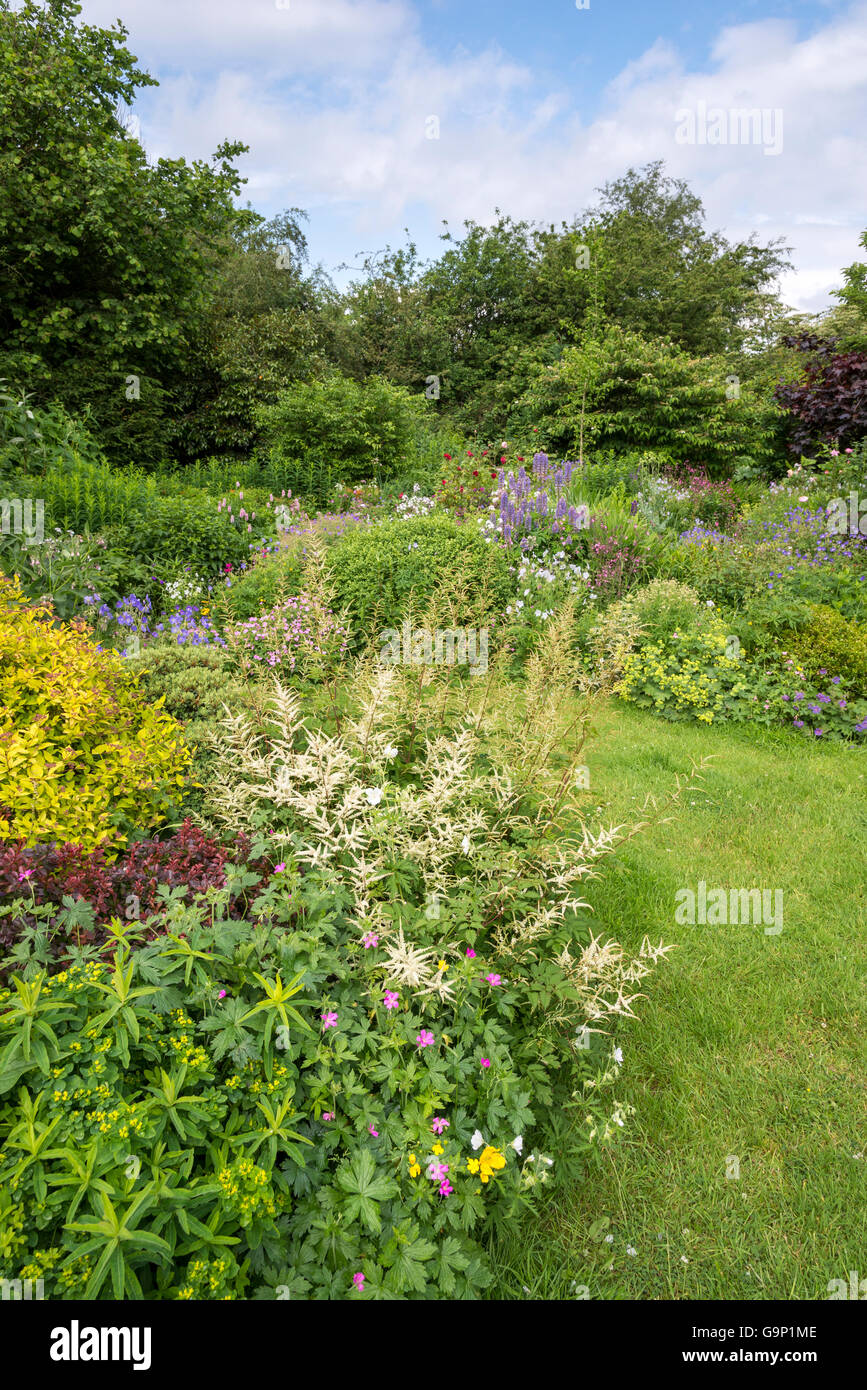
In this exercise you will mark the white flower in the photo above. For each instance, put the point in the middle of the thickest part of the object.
(518, 1144)
(465, 844)
(618, 1055)
(710, 603)
(631, 1250)
(609, 1240)
(373, 794)
(478, 1139)
(388, 752)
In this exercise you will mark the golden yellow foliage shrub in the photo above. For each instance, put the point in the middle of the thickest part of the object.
(83, 756)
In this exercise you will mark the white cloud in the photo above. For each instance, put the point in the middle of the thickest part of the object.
(306, 35)
(332, 98)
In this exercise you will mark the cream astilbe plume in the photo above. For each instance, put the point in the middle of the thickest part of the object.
(456, 813)
(407, 965)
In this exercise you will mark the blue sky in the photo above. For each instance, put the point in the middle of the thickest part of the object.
(379, 114)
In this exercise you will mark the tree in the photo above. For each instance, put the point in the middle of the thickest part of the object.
(502, 299)
(828, 404)
(620, 390)
(107, 262)
(669, 277)
(261, 332)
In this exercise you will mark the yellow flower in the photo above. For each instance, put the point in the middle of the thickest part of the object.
(414, 1170)
(441, 965)
(437, 1149)
(472, 1165)
(490, 1161)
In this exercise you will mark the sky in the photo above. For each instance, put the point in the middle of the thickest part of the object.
(380, 115)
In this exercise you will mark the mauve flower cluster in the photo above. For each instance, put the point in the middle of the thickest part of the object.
(291, 631)
(712, 502)
(615, 561)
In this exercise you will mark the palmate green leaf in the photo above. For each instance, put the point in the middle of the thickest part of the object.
(406, 1254)
(449, 1258)
(365, 1189)
(367, 1210)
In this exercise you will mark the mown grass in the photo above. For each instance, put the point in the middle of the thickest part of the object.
(748, 1046)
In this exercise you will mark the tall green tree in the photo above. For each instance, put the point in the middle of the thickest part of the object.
(667, 276)
(503, 300)
(107, 262)
(261, 333)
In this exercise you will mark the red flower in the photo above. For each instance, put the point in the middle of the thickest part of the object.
(493, 472)
(502, 458)
(447, 456)
(475, 472)
(520, 459)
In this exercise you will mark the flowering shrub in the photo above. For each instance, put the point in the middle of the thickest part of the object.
(82, 756)
(465, 486)
(685, 676)
(296, 633)
(686, 496)
(333, 1098)
(414, 504)
(661, 649)
(542, 586)
(616, 562)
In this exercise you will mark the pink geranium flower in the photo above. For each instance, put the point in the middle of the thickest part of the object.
(369, 939)
(439, 1124)
(493, 979)
(486, 1061)
(391, 999)
(358, 1281)
(425, 1038)
(329, 1020)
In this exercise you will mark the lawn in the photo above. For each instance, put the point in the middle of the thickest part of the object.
(750, 1047)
